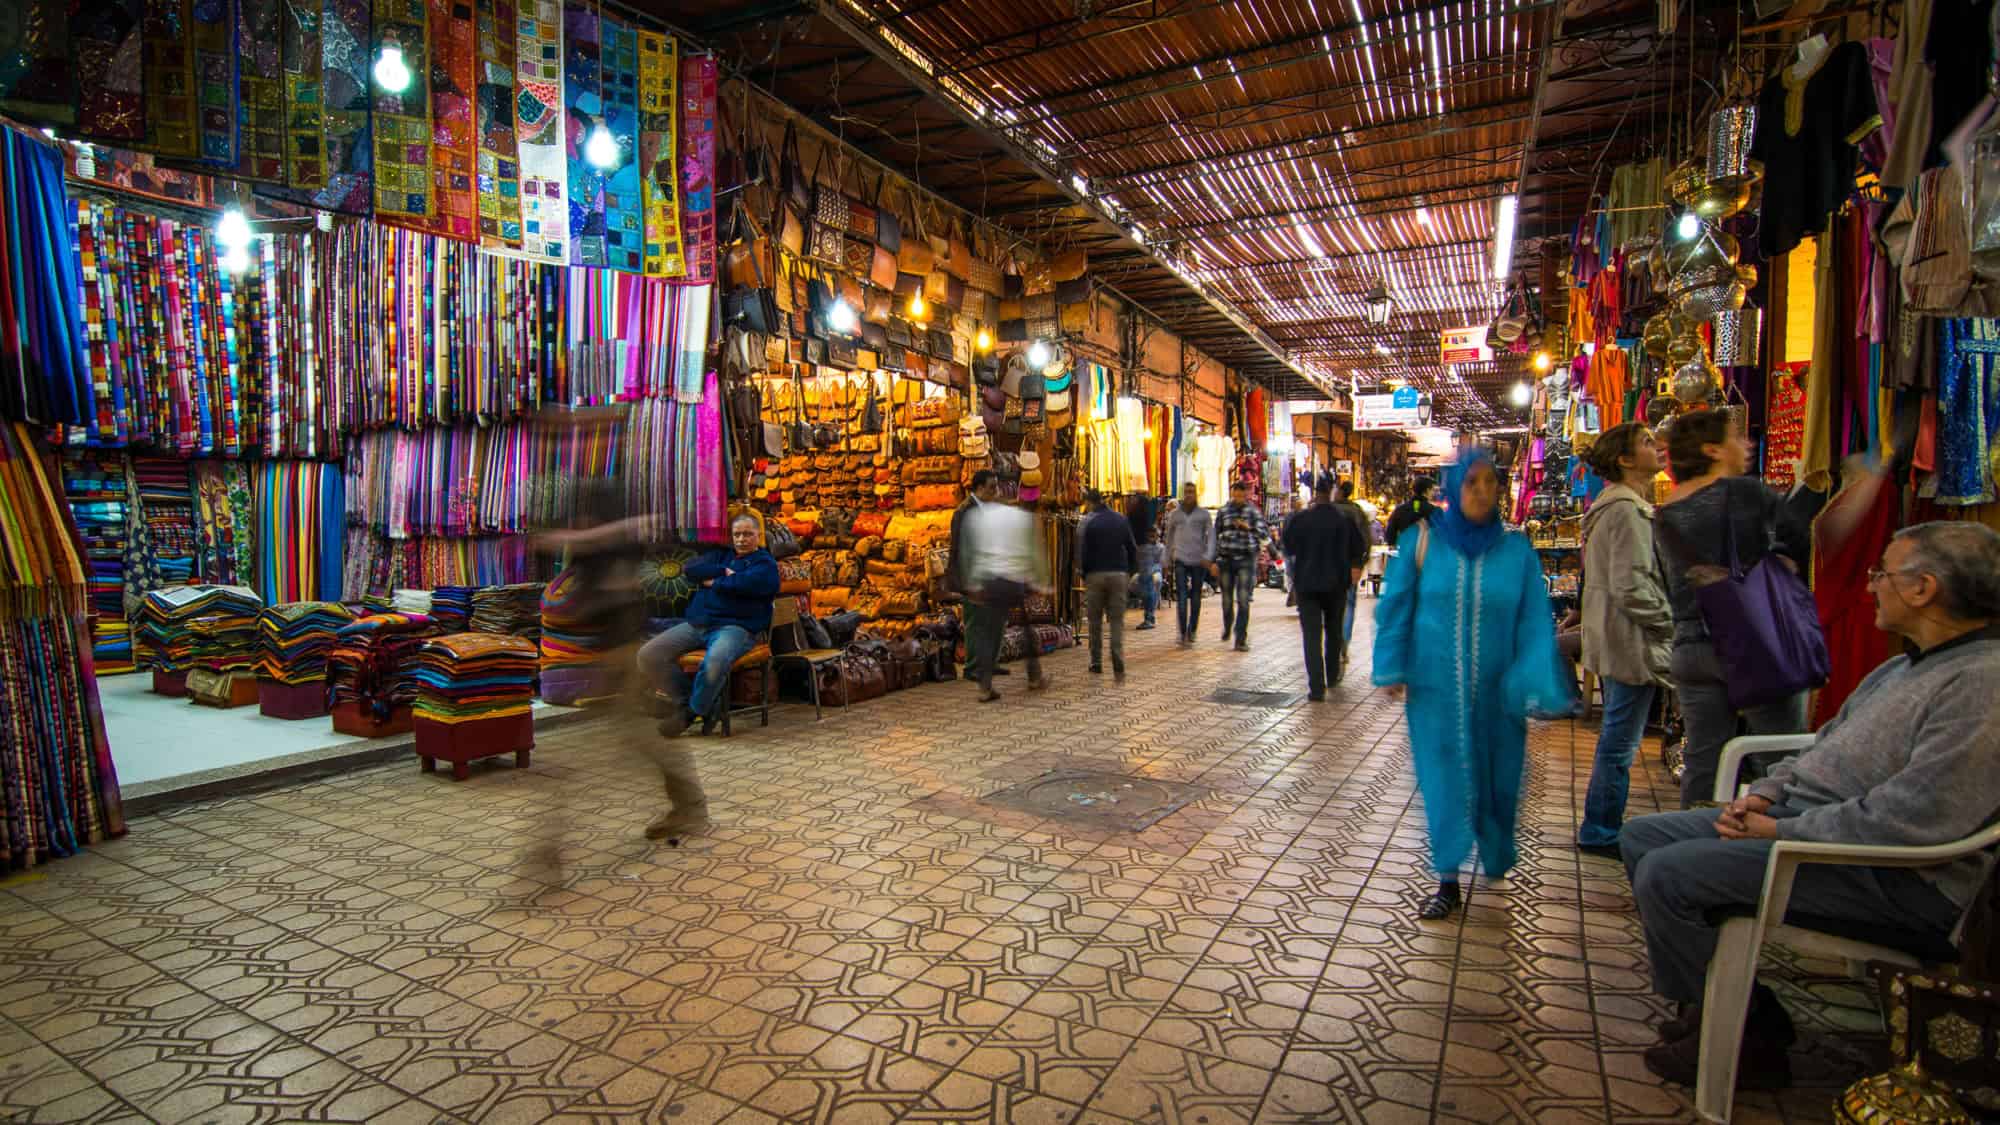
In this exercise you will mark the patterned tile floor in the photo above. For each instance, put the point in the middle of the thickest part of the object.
(861, 940)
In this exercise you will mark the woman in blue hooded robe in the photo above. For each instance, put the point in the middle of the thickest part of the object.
(1465, 632)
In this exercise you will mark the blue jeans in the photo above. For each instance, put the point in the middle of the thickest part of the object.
(660, 660)
(1149, 593)
(1239, 577)
(1625, 709)
(1188, 582)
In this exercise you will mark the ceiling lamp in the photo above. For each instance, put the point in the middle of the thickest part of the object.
(1521, 396)
(1424, 215)
(984, 341)
(1503, 237)
(236, 259)
(840, 317)
(602, 148)
(1383, 348)
(232, 230)
(1689, 225)
(1038, 355)
(918, 309)
(391, 72)
(1379, 304)
(1543, 362)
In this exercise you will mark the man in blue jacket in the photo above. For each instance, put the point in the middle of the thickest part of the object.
(724, 620)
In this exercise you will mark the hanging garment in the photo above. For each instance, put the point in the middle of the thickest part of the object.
(1840, 585)
(1968, 411)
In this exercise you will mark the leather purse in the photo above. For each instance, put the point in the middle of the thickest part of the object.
(794, 187)
(915, 255)
(882, 268)
(888, 228)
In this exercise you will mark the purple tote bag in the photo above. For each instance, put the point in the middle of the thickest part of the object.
(1765, 628)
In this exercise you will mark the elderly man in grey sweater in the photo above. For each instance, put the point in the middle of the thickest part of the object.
(1909, 760)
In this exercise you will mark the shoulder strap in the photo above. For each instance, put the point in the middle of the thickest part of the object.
(1423, 543)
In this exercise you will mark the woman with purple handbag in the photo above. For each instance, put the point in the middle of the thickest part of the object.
(1747, 642)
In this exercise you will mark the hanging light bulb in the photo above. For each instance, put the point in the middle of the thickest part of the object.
(391, 72)
(236, 259)
(1689, 226)
(602, 148)
(1543, 362)
(232, 230)
(984, 340)
(1521, 395)
(918, 309)
(840, 317)
(1038, 355)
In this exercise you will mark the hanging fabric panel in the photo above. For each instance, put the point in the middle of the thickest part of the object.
(260, 84)
(659, 85)
(402, 122)
(583, 76)
(624, 200)
(329, 152)
(538, 131)
(454, 149)
(35, 76)
(499, 165)
(697, 145)
(43, 360)
(110, 56)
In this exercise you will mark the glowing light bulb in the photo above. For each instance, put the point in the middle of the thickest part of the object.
(840, 317)
(391, 72)
(602, 148)
(918, 309)
(236, 259)
(1521, 395)
(984, 340)
(232, 230)
(1543, 362)
(1689, 226)
(1038, 355)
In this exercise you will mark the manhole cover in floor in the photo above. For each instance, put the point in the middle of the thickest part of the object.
(1112, 800)
(1237, 697)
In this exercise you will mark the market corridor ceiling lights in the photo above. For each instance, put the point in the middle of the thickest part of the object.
(1278, 156)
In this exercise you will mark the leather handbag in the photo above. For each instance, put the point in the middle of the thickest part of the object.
(986, 371)
(940, 342)
(857, 255)
(882, 269)
(748, 261)
(888, 228)
(1013, 331)
(972, 443)
(794, 187)
(915, 255)
(1075, 292)
(1068, 266)
(791, 228)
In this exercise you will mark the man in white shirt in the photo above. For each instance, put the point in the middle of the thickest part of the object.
(1003, 563)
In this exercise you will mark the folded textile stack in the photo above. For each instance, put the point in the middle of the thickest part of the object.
(167, 500)
(572, 649)
(410, 601)
(514, 610)
(472, 676)
(451, 607)
(223, 642)
(293, 640)
(95, 485)
(164, 639)
(372, 659)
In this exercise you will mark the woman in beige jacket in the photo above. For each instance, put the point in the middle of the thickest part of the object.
(1628, 625)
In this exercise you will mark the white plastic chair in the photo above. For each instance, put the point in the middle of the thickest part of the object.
(1732, 973)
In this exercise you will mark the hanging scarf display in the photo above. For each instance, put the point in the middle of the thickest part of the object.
(499, 168)
(42, 360)
(35, 75)
(300, 507)
(539, 133)
(402, 121)
(225, 523)
(58, 790)
(676, 470)
(260, 86)
(454, 152)
(697, 147)
(659, 146)
(624, 200)
(583, 96)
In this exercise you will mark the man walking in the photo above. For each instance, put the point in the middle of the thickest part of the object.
(1004, 562)
(1327, 551)
(978, 618)
(1365, 537)
(1191, 550)
(1239, 535)
(1107, 557)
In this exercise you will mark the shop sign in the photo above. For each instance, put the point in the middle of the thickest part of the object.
(1403, 410)
(1466, 345)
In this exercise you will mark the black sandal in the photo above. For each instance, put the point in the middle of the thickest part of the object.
(1442, 904)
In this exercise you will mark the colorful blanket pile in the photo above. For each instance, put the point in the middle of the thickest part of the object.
(166, 635)
(293, 641)
(473, 676)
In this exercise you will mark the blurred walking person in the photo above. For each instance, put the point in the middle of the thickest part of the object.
(1327, 551)
(1191, 551)
(1364, 534)
(1628, 625)
(1151, 559)
(1107, 556)
(1465, 636)
(1004, 563)
(985, 490)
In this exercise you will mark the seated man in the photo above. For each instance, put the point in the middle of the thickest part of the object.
(724, 618)
(1909, 761)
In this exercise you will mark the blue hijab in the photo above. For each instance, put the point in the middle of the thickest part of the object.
(1466, 537)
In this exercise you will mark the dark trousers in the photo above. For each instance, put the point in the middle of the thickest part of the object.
(1711, 720)
(1320, 614)
(1001, 597)
(1188, 582)
(1239, 578)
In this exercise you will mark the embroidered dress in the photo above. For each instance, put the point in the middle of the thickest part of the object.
(1473, 640)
